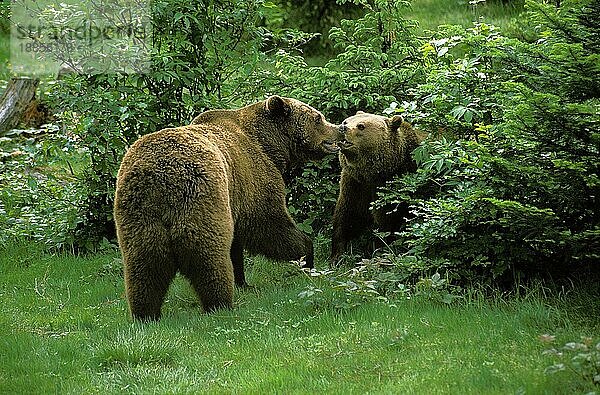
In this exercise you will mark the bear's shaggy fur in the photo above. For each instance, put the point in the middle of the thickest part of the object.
(375, 149)
(191, 199)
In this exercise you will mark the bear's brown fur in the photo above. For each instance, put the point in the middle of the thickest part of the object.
(191, 199)
(375, 149)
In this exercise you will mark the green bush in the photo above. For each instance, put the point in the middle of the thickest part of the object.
(462, 75)
(377, 64)
(312, 195)
(200, 58)
(38, 195)
(107, 113)
(379, 280)
(514, 188)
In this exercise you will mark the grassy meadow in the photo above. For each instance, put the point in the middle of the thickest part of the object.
(432, 13)
(64, 328)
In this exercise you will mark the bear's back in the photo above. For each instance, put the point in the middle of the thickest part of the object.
(166, 173)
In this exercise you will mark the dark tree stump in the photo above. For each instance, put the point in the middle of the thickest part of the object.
(16, 101)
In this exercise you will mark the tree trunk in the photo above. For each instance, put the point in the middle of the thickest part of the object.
(15, 101)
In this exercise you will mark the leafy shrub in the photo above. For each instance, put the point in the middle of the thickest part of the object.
(459, 217)
(377, 64)
(461, 81)
(201, 58)
(106, 113)
(381, 280)
(514, 188)
(313, 193)
(38, 195)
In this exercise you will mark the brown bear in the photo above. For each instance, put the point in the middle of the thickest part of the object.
(374, 149)
(191, 199)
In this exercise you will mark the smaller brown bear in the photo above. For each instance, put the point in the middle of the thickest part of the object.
(374, 149)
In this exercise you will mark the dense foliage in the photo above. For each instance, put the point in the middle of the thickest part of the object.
(38, 195)
(201, 58)
(508, 182)
(378, 62)
(518, 189)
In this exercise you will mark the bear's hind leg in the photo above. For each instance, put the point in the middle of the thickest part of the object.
(203, 241)
(211, 276)
(237, 259)
(148, 273)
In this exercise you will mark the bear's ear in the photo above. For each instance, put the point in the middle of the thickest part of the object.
(395, 122)
(360, 112)
(277, 105)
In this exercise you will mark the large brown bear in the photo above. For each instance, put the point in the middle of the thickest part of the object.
(374, 149)
(191, 199)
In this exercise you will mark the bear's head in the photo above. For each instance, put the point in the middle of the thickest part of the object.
(365, 134)
(373, 146)
(307, 128)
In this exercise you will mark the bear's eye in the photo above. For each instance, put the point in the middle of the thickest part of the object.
(317, 118)
(361, 126)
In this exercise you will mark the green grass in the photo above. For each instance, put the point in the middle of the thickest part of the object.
(433, 13)
(64, 328)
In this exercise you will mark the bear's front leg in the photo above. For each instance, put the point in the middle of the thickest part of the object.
(351, 216)
(282, 240)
